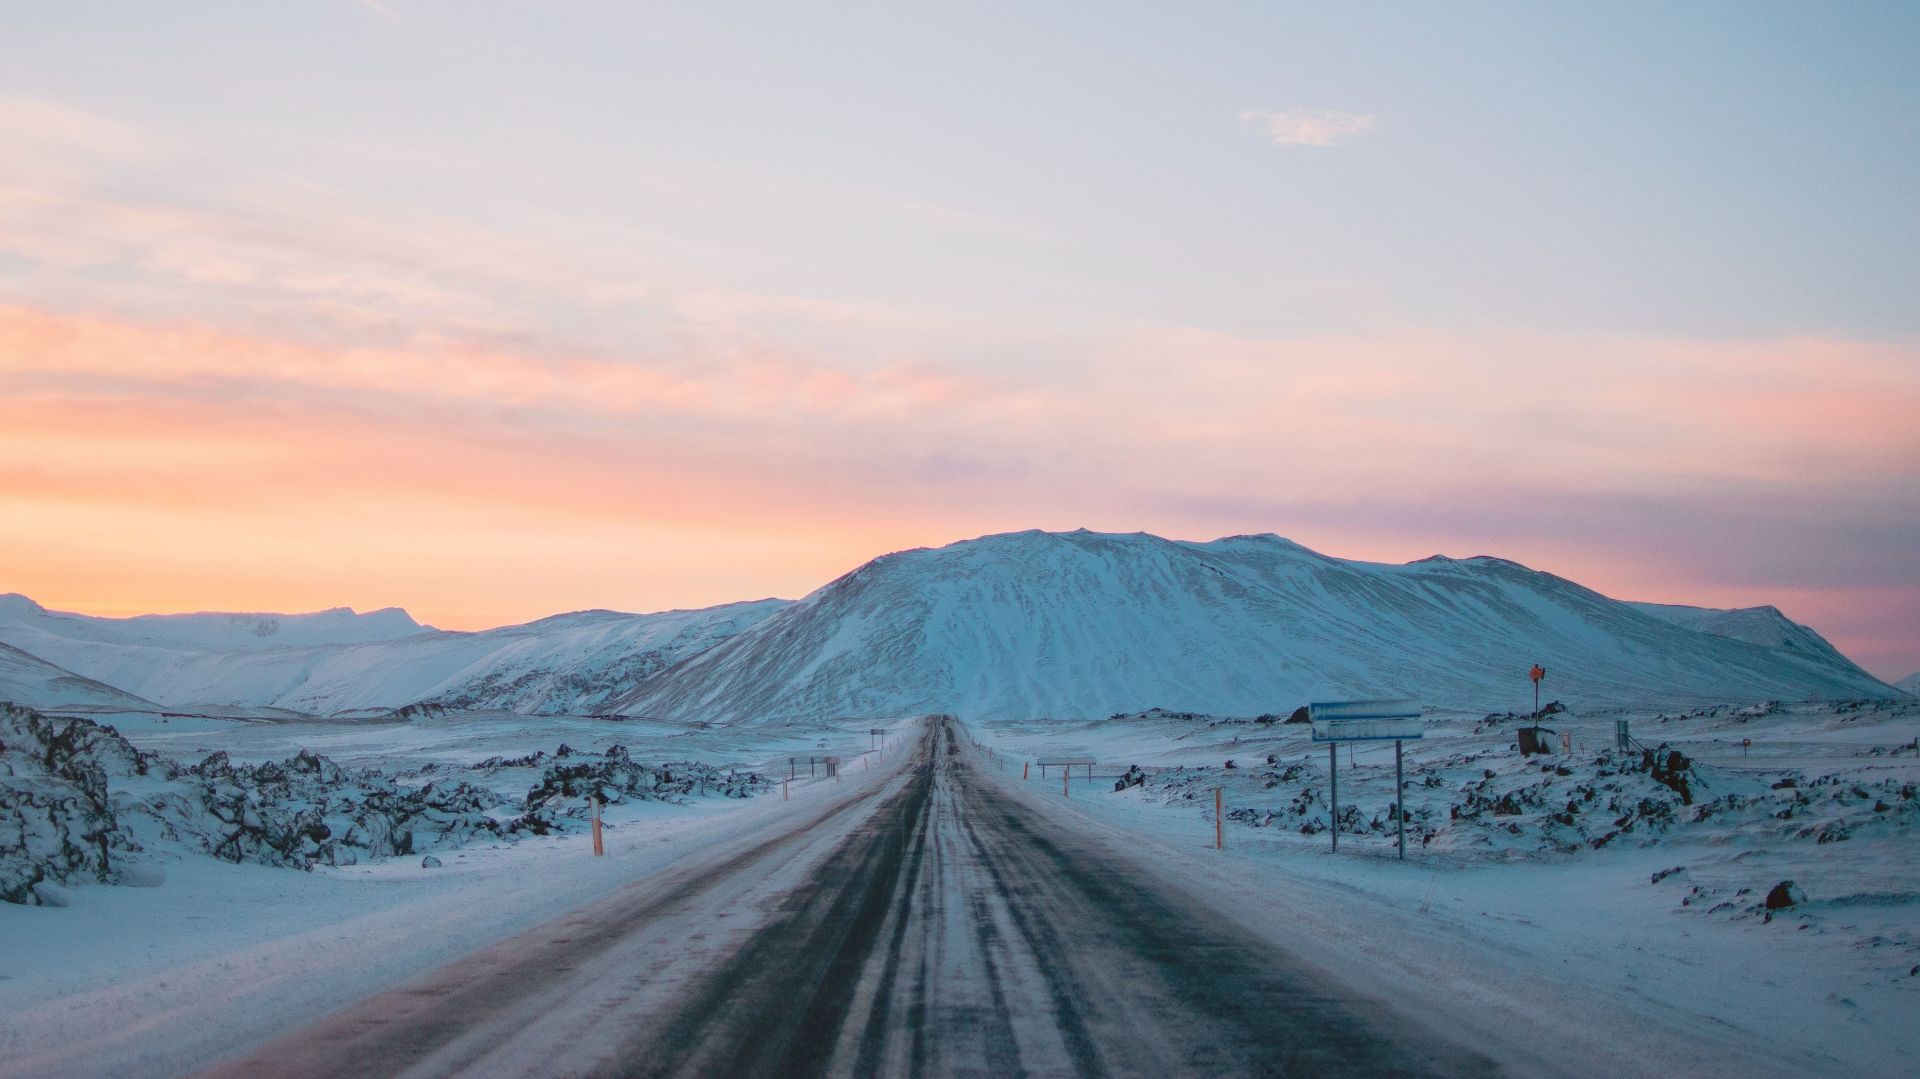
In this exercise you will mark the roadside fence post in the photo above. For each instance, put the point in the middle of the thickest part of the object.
(1219, 820)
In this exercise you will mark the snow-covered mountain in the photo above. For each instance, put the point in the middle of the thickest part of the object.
(32, 682)
(1911, 684)
(1755, 625)
(212, 632)
(1084, 624)
(342, 662)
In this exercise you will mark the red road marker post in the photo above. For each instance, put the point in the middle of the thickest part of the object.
(599, 848)
(1065, 778)
(1025, 766)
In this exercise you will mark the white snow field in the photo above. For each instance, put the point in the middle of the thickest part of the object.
(1634, 930)
(194, 957)
(1508, 928)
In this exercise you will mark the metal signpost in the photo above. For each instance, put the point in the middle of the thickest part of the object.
(1366, 721)
(1065, 764)
(877, 732)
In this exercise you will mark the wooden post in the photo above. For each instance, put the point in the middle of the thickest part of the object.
(1400, 798)
(1219, 820)
(1025, 768)
(1333, 793)
(793, 768)
(1065, 778)
(783, 790)
(599, 848)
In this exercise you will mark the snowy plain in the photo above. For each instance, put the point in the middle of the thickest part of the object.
(209, 956)
(1653, 955)
(1681, 975)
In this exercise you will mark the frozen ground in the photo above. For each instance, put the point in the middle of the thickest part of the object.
(1534, 907)
(1511, 908)
(206, 954)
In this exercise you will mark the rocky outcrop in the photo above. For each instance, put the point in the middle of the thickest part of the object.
(57, 823)
(62, 820)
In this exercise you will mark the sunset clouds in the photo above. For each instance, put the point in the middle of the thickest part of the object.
(1380, 447)
(634, 331)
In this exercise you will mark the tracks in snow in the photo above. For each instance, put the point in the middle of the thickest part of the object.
(936, 927)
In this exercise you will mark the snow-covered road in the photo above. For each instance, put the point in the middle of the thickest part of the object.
(934, 923)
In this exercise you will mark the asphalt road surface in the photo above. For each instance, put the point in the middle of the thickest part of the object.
(934, 924)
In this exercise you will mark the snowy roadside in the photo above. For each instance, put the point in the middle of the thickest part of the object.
(1579, 954)
(158, 980)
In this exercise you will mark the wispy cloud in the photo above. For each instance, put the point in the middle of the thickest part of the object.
(1310, 127)
(171, 438)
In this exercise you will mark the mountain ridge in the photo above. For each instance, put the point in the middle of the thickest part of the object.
(566, 662)
(1020, 624)
(1239, 625)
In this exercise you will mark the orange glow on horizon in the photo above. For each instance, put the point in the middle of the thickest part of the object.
(182, 467)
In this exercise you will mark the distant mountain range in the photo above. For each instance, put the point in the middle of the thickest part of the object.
(1022, 625)
(339, 663)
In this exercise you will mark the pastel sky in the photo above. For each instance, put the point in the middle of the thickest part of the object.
(495, 310)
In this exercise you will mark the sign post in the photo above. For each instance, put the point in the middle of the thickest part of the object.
(1219, 819)
(1333, 793)
(1065, 764)
(1366, 721)
(1537, 673)
(1400, 799)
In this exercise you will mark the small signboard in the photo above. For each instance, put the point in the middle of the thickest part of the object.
(1365, 721)
(1066, 764)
